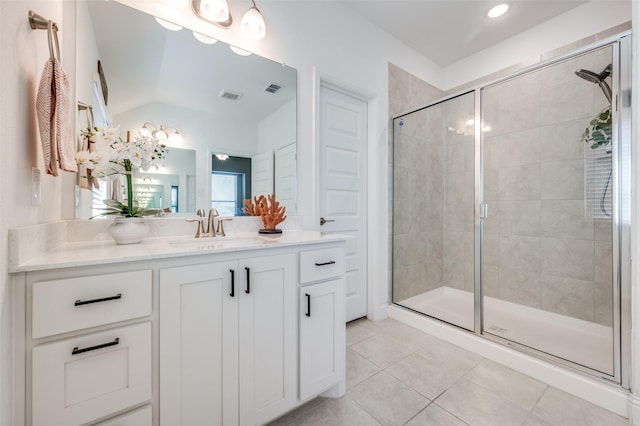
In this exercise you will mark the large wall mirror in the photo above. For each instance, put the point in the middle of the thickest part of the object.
(222, 104)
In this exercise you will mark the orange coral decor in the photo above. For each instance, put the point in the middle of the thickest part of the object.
(269, 209)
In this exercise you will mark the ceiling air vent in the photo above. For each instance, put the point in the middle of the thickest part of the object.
(232, 96)
(272, 88)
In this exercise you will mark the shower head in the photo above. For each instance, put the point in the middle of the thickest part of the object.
(598, 79)
(589, 76)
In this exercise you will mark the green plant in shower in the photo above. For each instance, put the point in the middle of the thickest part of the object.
(598, 133)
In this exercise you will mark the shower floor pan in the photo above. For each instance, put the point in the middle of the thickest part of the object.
(582, 342)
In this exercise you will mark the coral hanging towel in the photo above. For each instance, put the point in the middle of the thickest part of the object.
(53, 107)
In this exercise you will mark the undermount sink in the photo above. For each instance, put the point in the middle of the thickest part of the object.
(210, 243)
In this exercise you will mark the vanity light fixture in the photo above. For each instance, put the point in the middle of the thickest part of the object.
(498, 10)
(168, 25)
(222, 157)
(252, 24)
(216, 12)
(161, 133)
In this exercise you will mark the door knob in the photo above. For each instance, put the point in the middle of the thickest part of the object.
(323, 221)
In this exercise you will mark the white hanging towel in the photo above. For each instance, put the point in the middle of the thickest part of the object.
(53, 107)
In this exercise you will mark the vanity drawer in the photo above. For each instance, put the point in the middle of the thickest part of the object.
(139, 417)
(321, 264)
(71, 304)
(75, 381)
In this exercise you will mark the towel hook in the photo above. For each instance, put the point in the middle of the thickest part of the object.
(37, 22)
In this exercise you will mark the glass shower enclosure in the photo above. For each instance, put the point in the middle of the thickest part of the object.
(510, 210)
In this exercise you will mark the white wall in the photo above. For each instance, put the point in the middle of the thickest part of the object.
(22, 57)
(278, 128)
(576, 24)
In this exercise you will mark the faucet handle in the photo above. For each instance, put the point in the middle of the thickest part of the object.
(200, 230)
(200, 212)
(220, 230)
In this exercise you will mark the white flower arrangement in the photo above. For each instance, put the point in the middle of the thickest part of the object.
(111, 156)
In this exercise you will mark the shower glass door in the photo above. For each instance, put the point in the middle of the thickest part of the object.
(548, 180)
(433, 211)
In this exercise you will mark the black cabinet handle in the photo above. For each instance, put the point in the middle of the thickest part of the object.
(248, 290)
(233, 283)
(103, 299)
(308, 296)
(77, 351)
(331, 262)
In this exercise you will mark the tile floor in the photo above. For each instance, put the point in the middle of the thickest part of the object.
(397, 375)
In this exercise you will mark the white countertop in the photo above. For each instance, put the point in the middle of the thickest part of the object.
(86, 253)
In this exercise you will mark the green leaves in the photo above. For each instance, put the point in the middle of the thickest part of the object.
(599, 131)
(116, 208)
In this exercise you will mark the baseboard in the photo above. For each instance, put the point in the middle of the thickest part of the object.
(634, 402)
(606, 395)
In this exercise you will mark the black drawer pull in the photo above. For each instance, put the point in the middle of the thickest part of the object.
(248, 290)
(331, 262)
(308, 296)
(77, 351)
(103, 299)
(233, 283)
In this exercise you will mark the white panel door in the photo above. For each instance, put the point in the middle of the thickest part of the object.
(286, 177)
(343, 186)
(199, 345)
(262, 174)
(268, 347)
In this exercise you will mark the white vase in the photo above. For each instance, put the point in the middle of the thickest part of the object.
(128, 230)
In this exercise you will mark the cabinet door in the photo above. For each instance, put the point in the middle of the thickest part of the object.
(78, 380)
(322, 337)
(199, 345)
(267, 338)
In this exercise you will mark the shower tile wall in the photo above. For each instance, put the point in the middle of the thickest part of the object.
(542, 247)
(459, 192)
(417, 241)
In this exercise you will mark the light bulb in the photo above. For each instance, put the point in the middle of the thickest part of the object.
(176, 138)
(145, 132)
(239, 51)
(217, 10)
(252, 24)
(168, 25)
(161, 134)
(204, 39)
(498, 10)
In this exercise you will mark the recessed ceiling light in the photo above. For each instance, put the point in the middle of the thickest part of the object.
(498, 10)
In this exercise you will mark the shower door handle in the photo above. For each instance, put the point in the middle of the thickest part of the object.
(484, 211)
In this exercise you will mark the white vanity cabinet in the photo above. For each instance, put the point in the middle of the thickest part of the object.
(186, 336)
(321, 319)
(88, 360)
(227, 341)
